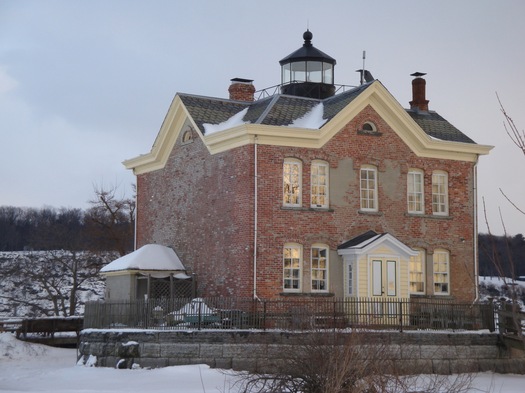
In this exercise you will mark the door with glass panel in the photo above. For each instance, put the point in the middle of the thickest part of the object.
(383, 287)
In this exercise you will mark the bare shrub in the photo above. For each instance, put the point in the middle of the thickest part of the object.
(349, 362)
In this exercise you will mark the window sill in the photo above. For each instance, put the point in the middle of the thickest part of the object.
(307, 294)
(307, 209)
(431, 216)
(370, 213)
(433, 296)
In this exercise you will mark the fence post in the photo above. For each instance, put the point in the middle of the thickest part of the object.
(401, 316)
(199, 318)
(264, 315)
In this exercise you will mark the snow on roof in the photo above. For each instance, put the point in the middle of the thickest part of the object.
(312, 119)
(148, 257)
(235, 120)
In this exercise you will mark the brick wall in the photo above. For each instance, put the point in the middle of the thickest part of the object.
(202, 206)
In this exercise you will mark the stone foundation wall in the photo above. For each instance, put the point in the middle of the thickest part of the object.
(266, 351)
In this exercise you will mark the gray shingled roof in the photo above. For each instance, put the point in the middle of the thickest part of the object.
(437, 127)
(282, 110)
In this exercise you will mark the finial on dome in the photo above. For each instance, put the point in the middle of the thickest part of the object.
(308, 37)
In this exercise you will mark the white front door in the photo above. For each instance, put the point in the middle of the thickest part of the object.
(383, 277)
(384, 287)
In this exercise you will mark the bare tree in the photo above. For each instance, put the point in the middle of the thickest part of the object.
(511, 318)
(51, 283)
(518, 138)
(113, 219)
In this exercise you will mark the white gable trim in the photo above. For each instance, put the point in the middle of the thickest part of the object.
(368, 246)
(376, 95)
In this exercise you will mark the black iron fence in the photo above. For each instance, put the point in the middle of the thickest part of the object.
(246, 313)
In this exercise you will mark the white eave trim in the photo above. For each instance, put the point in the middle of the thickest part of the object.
(376, 95)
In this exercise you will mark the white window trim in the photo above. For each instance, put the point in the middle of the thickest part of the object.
(298, 247)
(368, 168)
(292, 161)
(319, 163)
(411, 176)
(422, 257)
(444, 175)
(447, 273)
(327, 269)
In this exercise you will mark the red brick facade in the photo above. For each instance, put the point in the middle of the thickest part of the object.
(202, 205)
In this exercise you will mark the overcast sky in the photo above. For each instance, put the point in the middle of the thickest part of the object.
(85, 85)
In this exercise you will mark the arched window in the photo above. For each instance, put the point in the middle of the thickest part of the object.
(369, 127)
(187, 136)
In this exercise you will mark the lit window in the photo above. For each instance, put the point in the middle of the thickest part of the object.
(441, 272)
(320, 268)
(319, 184)
(417, 272)
(415, 195)
(440, 193)
(292, 261)
(292, 182)
(368, 192)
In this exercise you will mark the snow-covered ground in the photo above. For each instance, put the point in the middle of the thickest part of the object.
(26, 367)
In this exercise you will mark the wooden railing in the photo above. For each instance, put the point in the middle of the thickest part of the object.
(242, 313)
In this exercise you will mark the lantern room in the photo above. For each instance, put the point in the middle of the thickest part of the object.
(308, 72)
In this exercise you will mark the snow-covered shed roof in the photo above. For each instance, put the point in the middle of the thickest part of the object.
(150, 257)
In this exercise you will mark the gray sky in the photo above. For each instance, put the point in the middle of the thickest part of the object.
(86, 84)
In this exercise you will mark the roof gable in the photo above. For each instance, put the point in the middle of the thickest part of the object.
(369, 241)
(268, 121)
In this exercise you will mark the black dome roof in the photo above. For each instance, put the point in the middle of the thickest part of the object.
(307, 52)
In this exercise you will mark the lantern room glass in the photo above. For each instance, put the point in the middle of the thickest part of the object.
(308, 71)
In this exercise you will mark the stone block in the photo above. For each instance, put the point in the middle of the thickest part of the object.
(243, 364)
(463, 366)
(244, 350)
(150, 350)
(441, 366)
(211, 350)
(224, 363)
(127, 349)
(152, 362)
(177, 350)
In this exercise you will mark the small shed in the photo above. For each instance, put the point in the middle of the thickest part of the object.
(151, 272)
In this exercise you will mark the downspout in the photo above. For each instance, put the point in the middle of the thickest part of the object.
(135, 218)
(476, 261)
(255, 182)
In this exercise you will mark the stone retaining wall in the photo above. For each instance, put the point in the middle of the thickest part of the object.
(417, 352)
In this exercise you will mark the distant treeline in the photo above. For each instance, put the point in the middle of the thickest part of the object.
(98, 228)
(501, 255)
(110, 226)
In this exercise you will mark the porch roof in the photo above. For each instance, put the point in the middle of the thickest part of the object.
(150, 257)
(370, 240)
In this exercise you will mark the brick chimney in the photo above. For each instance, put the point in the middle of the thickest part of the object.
(241, 89)
(419, 100)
